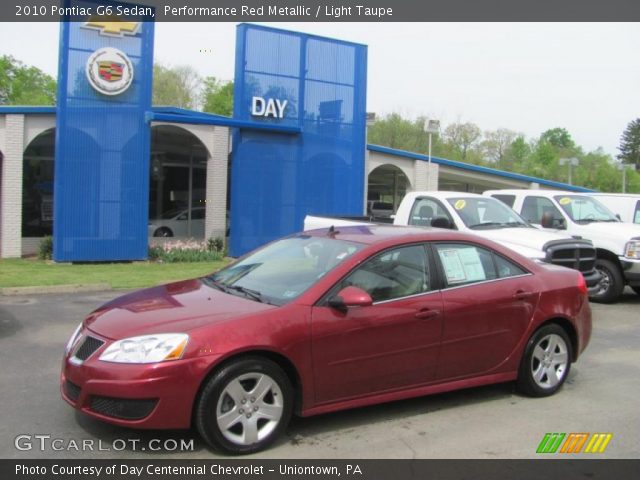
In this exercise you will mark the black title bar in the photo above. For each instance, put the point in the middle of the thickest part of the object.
(332, 10)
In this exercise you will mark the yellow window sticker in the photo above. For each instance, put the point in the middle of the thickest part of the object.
(460, 204)
(565, 201)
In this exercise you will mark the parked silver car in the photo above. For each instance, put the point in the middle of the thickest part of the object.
(175, 223)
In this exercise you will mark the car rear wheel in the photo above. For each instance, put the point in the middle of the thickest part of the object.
(245, 406)
(163, 232)
(611, 284)
(546, 362)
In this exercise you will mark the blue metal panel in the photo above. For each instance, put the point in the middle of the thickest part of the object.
(102, 150)
(278, 179)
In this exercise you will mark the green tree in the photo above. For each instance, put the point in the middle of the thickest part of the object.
(496, 143)
(630, 144)
(559, 138)
(462, 139)
(21, 84)
(176, 86)
(396, 132)
(516, 156)
(217, 97)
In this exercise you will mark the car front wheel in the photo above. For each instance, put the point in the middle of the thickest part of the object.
(245, 406)
(163, 232)
(546, 362)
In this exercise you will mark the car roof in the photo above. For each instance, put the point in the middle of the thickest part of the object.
(374, 233)
(515, 191)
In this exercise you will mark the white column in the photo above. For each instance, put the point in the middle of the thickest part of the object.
(422, 180)
(11, 188)
(216, 207)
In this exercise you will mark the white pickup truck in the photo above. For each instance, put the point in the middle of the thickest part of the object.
(617, 243)
(488, 218)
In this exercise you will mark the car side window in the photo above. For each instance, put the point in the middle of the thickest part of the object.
(534, 208)
(182, 217)
(636, 215)
(505, 268)
(396, 273)
(424, 210)
(464, 263)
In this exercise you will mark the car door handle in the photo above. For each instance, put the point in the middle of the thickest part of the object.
(425, 314)
(522, 295)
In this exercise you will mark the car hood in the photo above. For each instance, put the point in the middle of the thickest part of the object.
(173, 308)
(526, 241)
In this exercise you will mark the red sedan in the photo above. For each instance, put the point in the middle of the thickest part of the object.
(323, 321)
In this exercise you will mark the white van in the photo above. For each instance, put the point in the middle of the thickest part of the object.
(627, 205)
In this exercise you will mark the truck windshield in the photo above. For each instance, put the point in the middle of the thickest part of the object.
(584, 209)
(485, 213)
(282, 270)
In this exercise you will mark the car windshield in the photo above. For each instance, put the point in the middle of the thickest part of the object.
(485, 213)
(584, 209)
(281, 271)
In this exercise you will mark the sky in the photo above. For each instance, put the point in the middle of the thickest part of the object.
(527, 77)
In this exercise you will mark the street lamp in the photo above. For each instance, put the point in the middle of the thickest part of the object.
(624, 167)
(571, 162)
(431, 127)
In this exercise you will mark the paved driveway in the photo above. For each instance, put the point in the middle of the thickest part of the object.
(601, 395)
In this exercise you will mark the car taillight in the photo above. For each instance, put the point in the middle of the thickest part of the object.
(582, 285)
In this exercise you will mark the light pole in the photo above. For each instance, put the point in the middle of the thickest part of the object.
(431, 127)
(624, 167)
(571, 162)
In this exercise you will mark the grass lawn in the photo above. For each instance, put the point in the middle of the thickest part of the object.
(30, 272)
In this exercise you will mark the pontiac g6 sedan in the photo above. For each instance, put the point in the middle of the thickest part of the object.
(323, 321)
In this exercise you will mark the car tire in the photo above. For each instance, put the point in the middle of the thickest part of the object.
(611, 285)
(546, 362)
(163, 232)
(245, 406)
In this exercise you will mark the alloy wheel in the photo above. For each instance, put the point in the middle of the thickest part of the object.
(549, 361)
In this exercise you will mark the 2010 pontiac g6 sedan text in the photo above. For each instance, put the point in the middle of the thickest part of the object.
(322, 321)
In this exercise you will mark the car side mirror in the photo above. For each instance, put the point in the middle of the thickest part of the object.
(618, 216)
(549, 221)
(350, 297)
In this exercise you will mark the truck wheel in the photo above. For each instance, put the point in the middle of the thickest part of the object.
(611, 285)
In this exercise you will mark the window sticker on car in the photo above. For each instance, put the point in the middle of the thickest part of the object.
(452, 266)
(462, 265)
(565, 201)
(460, 204)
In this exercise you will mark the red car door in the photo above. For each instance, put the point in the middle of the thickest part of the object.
(488, 304)
(389, 345)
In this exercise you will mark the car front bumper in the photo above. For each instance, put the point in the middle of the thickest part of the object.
(159, 395)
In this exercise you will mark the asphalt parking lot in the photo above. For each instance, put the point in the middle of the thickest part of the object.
(601, 395)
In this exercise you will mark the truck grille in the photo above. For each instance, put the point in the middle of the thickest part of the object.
(577, 254)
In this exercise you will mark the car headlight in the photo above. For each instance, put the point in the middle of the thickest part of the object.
(74, 338)
(632, 249)
(147, 348)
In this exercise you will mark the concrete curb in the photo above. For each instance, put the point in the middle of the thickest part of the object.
(90, 287)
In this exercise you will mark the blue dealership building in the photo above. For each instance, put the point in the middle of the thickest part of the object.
(104, 171)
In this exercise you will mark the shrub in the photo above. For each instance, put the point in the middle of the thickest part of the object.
(45, 249)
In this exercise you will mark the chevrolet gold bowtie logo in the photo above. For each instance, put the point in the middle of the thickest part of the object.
(113, 28)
